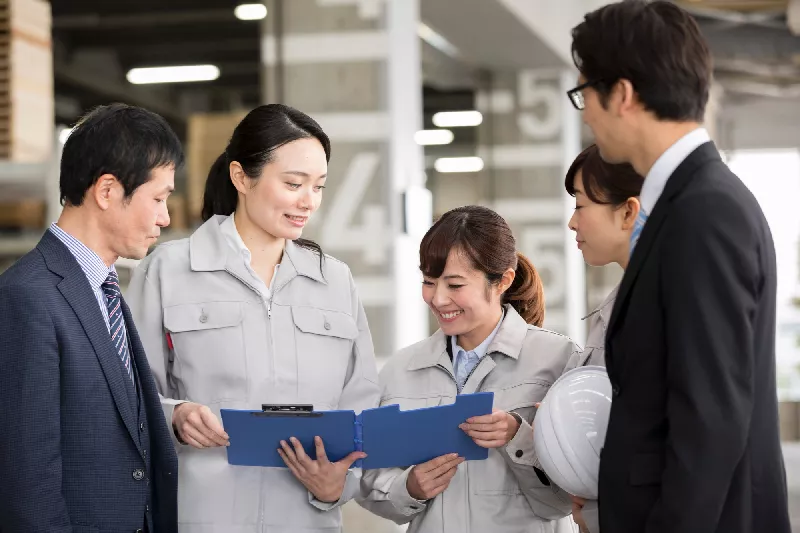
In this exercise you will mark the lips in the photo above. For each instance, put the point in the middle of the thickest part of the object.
(449, 316)
(298, 221)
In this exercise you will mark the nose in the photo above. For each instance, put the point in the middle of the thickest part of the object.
(572, 224)
(163, 217)
(306, 200)
(440, 297)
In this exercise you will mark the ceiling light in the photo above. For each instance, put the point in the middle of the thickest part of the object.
(250, 11)
(458, 164)
(433, 137)
(455, 119)
(189, 73)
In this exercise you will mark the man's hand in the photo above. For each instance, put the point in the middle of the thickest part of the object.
(430, 479)
(491, 431)
(197, 426)
(322, 478)
(577, 517)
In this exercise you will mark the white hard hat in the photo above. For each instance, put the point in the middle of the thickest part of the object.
(570, 428)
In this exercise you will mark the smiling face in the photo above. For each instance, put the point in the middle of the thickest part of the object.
(288, 191)
(464, 303)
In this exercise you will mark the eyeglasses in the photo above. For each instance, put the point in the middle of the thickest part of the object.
(576, 95)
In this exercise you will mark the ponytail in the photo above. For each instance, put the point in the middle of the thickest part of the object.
(220, 197)
(526, 294)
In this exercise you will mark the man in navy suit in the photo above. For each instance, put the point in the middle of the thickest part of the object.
(85, 447)
(692, 444)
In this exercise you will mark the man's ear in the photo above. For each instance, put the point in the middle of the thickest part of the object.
(104, 191)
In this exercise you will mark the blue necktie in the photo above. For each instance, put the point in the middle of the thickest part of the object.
(641, 218)
(119, 335)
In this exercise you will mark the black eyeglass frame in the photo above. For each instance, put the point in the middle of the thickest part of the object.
(576, 95)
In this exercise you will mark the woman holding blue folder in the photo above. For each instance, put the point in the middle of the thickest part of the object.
(245, 313)
(488, 300)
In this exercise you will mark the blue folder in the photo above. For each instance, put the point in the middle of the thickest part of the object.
(390, 437)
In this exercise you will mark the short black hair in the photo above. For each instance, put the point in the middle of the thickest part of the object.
(603, 183)
(125, 141)
(657, 46)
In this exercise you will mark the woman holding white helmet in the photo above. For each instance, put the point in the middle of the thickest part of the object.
(606, 208)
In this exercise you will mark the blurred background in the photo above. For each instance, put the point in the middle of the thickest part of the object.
(430, 104)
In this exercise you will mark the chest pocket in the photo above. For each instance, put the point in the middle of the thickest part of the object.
(324, 345)
(209, 350)
(493, 476)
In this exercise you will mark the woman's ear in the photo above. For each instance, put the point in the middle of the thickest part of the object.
(630, 211)
(238, 177)
(507, 279)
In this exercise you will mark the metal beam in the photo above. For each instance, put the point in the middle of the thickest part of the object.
(139, 20)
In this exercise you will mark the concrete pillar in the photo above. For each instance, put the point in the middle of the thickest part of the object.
(354, 66)
(529, 136)
(713, 114)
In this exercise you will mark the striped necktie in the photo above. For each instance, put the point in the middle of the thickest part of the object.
(637, 228)
(119, 335)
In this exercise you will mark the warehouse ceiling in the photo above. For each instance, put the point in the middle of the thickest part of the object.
(96, 42)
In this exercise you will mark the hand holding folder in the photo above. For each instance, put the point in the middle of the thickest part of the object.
(389, 437)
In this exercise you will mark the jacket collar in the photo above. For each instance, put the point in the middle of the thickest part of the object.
(508, 341)
(604, 309)
(209, 251)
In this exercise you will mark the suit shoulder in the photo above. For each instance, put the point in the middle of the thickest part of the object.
(548, 338)
(27, 271)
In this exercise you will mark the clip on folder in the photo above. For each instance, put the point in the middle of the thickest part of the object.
(390, 437)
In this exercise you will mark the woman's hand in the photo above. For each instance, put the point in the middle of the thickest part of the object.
(428, 480)
(491, 431)
(324, 479)
(577, 516)
(197, 426)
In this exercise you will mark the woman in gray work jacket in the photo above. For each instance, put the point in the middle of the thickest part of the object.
(606, 206)
(489, 303)
(245, 313)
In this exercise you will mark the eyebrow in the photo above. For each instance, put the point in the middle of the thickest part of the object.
(302, 174)
(454, 276)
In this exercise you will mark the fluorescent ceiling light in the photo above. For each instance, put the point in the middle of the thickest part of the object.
(139, 76)
(455, 119)
(458, 164)
(431, 137)
(250, 11)
(435, 39)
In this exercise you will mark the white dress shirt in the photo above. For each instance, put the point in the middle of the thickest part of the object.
(228, 228)
(665, 165)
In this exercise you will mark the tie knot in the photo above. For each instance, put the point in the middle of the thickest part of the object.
(111, 284)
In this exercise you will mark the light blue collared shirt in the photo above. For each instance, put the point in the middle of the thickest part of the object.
(93, 267)
(465, 361)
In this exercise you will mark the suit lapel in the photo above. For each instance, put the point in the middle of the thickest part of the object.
(677, 182)
(79, 295)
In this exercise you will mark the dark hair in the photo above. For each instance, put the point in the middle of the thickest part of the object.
(253, 143)
(603, 183)
(657, 46)
(486, 239)
(125, 141)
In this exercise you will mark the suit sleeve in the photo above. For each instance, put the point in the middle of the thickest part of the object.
(361, 391)
(30, 413)
(710, 285)
(143, 297)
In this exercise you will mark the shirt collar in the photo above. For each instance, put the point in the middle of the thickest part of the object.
(231, 234)
(93, 267)
(665, 165)
(479, 350)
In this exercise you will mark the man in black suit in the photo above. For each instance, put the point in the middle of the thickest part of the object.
(85, 447)
(692, 443)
